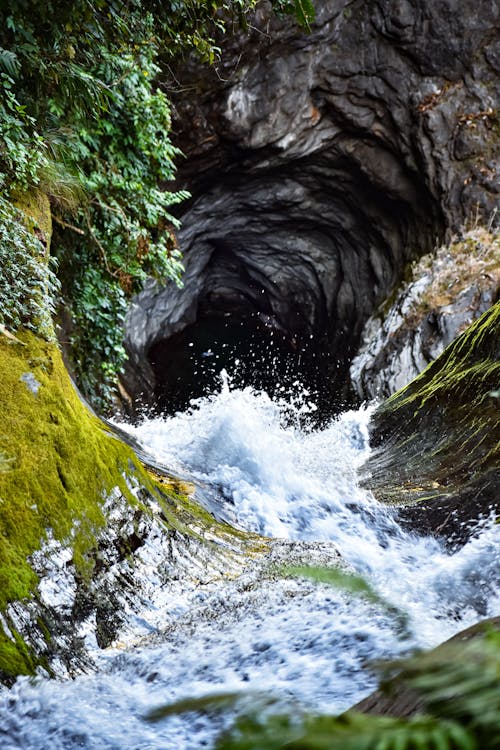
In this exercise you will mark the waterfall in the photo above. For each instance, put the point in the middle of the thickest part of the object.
(271, 471)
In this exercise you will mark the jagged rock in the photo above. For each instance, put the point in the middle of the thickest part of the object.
(449, 290)
(319, 166)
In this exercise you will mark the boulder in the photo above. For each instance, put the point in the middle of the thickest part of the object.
(89, 534)
(436, 442)
(449, 289)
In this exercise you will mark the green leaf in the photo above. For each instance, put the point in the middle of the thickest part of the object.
(304, 10)
(9, 62)
(354, 584)
(204, 704)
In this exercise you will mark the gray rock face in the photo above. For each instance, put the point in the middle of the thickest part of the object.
(449, 290)
(319, 165)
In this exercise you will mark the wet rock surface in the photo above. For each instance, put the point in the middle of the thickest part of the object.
(436, 441)
(139, 574)
(319, 166)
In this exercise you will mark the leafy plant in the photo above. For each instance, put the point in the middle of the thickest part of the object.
(126, 230)
(82, 117)
(28, 284)
(22, 151)
(349, 732)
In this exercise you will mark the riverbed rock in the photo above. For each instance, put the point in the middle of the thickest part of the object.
(397, 699)
(319, 164)
(436, 442)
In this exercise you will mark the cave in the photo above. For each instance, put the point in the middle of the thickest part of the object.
(237, 330)
(282, 271)
(318, 175)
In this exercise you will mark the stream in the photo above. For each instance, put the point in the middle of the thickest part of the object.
(306, 644)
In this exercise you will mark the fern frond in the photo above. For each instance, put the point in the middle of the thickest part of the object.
(352, 731)
(9, 62)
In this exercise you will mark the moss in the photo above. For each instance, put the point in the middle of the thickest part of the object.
(182, 512)
(467, 370)
(35, 205)
(16, 657)
(438, 439)
(62, 463)
(58, 465)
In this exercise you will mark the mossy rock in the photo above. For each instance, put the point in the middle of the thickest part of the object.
(70, 487)
(35, 206)
(436, 442)
(76, 504)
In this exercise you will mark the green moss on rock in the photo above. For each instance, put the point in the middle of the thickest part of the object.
(59, 467)
(35, 206)
(437, 441)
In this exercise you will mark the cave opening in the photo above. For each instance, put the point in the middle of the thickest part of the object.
(251, 349)
(282, 272)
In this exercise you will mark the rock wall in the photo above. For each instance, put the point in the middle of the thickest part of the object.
(436, 442)
(448, 290)
(320, 165)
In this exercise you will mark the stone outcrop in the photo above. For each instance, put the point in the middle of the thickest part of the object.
(436, 442)
(320, 165)
(448, 291)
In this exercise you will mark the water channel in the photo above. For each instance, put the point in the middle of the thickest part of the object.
(275, 472)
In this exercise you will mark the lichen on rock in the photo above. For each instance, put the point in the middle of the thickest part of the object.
(448, 289)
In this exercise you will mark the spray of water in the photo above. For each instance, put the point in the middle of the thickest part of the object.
(285, 479)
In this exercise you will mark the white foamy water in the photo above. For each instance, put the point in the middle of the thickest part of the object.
(305, 643)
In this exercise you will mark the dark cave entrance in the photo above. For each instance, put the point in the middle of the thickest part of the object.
(281, 276)
(251, 349)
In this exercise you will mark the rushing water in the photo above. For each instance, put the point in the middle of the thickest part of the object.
(307, 644)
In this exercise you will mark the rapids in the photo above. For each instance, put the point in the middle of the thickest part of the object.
(269, 470)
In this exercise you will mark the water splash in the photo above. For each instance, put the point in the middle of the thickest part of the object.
(308, 644)
(287, 480)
